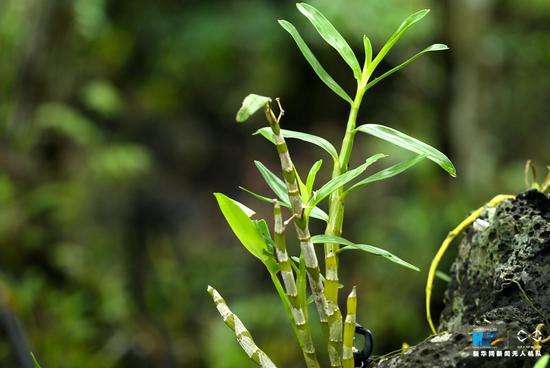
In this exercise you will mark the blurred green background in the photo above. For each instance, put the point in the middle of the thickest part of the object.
(117, 124)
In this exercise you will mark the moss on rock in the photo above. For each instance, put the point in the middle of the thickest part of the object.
(500, 279)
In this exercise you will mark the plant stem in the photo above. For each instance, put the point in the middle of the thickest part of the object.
(243, 335)
(334, 227)
(300, 222)
(349, 330)
(298, 315)
(336, 201)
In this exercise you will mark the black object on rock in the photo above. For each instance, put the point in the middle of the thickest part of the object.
(361, 357)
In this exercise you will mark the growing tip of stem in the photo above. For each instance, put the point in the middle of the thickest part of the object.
(352, 301)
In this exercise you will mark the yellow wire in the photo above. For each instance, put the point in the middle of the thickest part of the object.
(445, 245)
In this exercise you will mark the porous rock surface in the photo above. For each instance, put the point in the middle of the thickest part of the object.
(500, 278)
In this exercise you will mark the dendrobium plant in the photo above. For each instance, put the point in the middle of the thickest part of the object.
(296, 274)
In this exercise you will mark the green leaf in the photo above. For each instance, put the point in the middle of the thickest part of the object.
(267, 133)
(411, 19)
(301, 185)
(343, 179)
(319, 214)
(412, 144)
(542, 362)
(331, 36)
(434, 47)
(261, 197)
(321, 239)
(389, 172)
(316, 212)
(251, 104)
(312, 60)
(311, 176)
(279, 188)
(263, 229)
(35, 361)
(277, 185)
(443, 276)
(368, 50)
(245, 230)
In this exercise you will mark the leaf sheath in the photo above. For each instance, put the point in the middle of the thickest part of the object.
(349, 330)
(300, 221)
(289, 282)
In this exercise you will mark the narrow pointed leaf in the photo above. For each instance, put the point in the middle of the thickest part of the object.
(267, 133)
(245, 229)
(35, 361)
(368, 50)
(311, 176)
(319, 214)
(408, 22)
(316, 212)
(251, 104)
(263, 229)
(412, 144)
(343, 179)
(348, 245)
(389, 172)
(301, 185)
(331, 36)
(261, 197)
(269, 249)
(279, 188)
(434, 47)
(443, 276)
(312, 60)
(277, 185)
